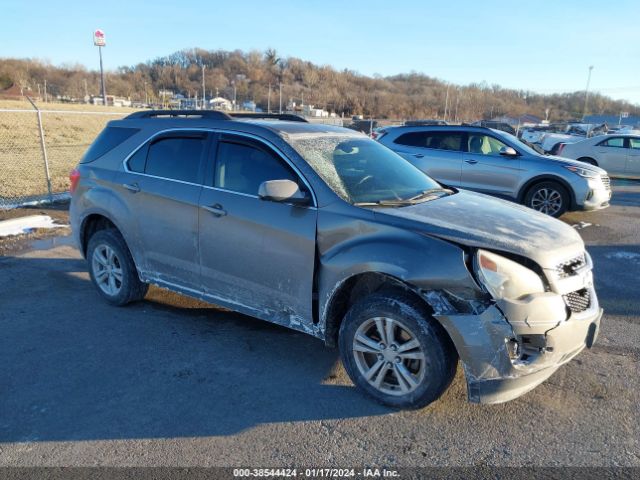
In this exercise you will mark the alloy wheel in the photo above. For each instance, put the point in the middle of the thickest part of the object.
(547, 200)
(107, 269)
(389, 356)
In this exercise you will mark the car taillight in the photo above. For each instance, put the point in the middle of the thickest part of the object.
(74, 178)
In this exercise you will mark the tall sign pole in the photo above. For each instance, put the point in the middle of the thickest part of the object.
(100, 41)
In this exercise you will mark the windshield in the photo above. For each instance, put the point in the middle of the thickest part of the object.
(362, 171)
(521, 145)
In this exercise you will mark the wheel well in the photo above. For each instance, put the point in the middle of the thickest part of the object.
(590, 160)
(547, 178)
(91, 225)
(355, 288)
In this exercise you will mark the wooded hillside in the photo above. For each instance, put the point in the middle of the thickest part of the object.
(403, 96)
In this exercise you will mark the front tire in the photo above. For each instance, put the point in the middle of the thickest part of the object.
(112, 269)
(549, 198)
(395, 352)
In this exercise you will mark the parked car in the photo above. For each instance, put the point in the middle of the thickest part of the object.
(617, 154)
(496, 163)
(325, 231)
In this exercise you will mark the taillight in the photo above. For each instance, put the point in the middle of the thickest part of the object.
(74, 178)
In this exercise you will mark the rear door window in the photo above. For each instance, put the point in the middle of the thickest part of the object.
(616, 142)
(412, 139)
(434, 140)
(176, 157)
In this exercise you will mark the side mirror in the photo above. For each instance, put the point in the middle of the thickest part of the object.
(508, 152)
(285, 191)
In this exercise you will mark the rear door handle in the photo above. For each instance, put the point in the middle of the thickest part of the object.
(216, 209)
(418, 155)
(471, 161)
(132, 187)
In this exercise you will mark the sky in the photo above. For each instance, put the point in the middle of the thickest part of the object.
(544, 46)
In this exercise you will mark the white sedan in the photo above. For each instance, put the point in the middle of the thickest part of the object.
(619, 155)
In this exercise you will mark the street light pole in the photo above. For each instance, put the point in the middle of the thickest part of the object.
(104, 90)
(269, 99)
(204, 93)
(586, 93)
(280, 111)
(100, 41)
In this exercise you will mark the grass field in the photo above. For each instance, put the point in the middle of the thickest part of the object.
(68, 130)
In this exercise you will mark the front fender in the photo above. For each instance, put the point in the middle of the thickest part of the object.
(349, 247)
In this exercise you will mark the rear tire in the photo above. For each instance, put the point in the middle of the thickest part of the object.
(549, 198)
(112, 269)
(395, 352)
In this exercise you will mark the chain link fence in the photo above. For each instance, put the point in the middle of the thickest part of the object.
(38, 149)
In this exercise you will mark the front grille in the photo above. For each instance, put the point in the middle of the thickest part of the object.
(606, 182)
(578, 301)
(570, 267)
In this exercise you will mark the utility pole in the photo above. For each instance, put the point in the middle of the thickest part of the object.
(146, 100)
(280, 111)
(86, 91)
(204, 92)
(457, 103)
(45, 91)
(586, 93)
(269, 99)
(234, 95)
(446, 102)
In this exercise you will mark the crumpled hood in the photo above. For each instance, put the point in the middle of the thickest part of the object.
(478, 220)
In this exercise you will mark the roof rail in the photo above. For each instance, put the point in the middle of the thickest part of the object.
(270, 116)
(212, 114)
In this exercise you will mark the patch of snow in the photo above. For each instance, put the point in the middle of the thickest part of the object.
(22, 225)
(581, 225)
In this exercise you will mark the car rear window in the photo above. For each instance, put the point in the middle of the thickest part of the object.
(108, 139)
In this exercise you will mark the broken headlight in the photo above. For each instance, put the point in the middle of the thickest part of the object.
(504, 278)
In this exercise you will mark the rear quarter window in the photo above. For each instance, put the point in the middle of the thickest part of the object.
(108, 139)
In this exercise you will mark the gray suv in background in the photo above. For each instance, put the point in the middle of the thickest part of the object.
(325, 231)
(497, 163)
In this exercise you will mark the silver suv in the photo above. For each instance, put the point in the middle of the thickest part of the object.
(325, 231)
(497, 163)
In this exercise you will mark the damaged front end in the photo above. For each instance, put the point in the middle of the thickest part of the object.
(531, 323)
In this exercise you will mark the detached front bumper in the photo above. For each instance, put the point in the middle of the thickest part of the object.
(513, 346)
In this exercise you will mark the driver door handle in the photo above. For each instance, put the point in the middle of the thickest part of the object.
(471, 161)
(418, 155)
(216, 209)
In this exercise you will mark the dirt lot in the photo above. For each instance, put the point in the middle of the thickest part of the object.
(171, 381)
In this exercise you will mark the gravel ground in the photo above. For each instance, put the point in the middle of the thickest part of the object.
(171, 381)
